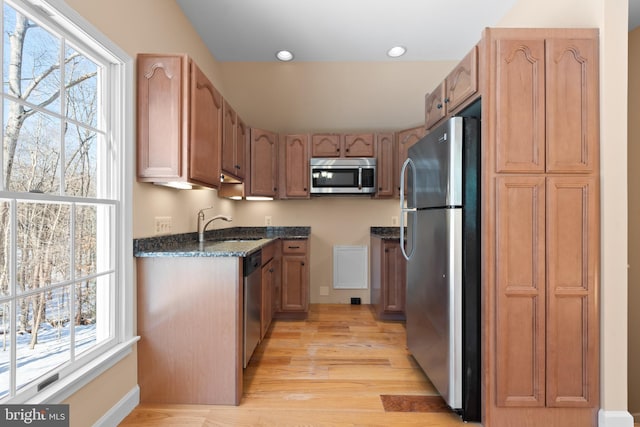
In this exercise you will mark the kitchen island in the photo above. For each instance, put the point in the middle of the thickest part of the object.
(190, 312)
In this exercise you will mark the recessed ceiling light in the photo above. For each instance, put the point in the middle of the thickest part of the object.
(284, 55)
(396, 51)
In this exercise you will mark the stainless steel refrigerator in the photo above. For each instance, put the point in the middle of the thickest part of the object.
(443, 254)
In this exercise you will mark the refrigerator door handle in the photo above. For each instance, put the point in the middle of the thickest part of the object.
(411, 212)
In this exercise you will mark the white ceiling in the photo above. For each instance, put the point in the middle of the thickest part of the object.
(346, 30)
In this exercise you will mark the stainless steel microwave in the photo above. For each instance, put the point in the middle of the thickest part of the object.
(343, 176)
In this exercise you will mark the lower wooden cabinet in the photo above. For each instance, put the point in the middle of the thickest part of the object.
(294, 287)
(388, 279)
(271, 258)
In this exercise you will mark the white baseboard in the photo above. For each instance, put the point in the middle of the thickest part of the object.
(614, 419)
(115, 415)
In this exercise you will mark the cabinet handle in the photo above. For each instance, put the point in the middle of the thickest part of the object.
(439, 106)
(347, 150)
(294, 247)
(304, 189)
(379, 188)
(271, 270)
(446, 100)
(275, 188)
(237, 166)
(302, 263)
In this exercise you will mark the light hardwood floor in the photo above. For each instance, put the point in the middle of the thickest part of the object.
(329, 370)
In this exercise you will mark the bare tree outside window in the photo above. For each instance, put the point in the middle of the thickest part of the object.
(51, 273)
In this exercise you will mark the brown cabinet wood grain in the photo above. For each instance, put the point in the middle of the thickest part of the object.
(388, 279)
(179, 122)
(359, 145)
(294, 171)
(184, 328)
(540, 139)
(386, 164)
(295, 278)
(234, 141)
(326, 145)
(459, 85)
(263, 179)
(406, 138)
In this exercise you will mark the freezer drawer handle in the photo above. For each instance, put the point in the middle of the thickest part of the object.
(411, 212)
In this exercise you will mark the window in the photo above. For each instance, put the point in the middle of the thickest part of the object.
(63, 195)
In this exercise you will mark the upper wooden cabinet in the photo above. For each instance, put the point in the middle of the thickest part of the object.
(294, 170)
(342, 145)
(326, 145)
(549, 86)
(263, 179)
(359, 145)
(406, 138)
(234, 141)
(179, 122)
(386, 164)
(459, 85)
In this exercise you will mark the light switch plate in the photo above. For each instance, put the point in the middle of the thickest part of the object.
(267, 220)
(163, 225)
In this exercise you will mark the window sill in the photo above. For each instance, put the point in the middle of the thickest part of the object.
(83, 376)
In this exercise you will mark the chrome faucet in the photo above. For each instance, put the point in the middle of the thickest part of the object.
(202, 226)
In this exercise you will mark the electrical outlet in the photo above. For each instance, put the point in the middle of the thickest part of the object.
(163, 224)
(394, 220)
(267, 220)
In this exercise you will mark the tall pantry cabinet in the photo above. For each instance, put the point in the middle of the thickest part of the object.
(541, 228)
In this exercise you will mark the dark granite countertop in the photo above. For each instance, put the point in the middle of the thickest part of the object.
(391, 233)
(218, 243)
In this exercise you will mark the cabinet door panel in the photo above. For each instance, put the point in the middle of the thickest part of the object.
(325, 145)
(294, 283)
(520, 101)
(296, 166)
(264, 163)
(162, 114)
(229, 128)
(520, 291)
(206, 130)
(406, 139)
(462, 82)
(242, 138)
(359, 145)
(394, 278)
(385, 167)
(434, 108)
(572, 105)
(572, 313)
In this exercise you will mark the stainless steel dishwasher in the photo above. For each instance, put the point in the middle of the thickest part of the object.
(252, 273)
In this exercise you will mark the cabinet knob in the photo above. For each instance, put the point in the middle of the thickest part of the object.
(271, 270)
(302, 263)
(237, 166)
(347, 150)
(446, 100)
(275, 188)
(439, 106)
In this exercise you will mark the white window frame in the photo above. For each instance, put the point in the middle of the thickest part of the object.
(119, 84)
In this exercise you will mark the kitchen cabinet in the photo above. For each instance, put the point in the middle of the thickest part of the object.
(263, 179)
(388, 278)
(234, 142)
(459, 85)
(385, 164)
(342, 145)
(179, 122)
(184, 328)
(294, 170)
(541, 198)
(406, 138)
(294, 299)
(270, 284)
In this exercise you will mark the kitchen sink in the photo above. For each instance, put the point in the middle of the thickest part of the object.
(242, 239)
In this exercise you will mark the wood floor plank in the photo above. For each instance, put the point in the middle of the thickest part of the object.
(327, 370)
